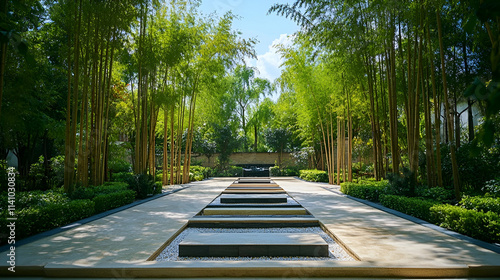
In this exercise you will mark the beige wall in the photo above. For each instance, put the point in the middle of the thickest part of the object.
(248, 158)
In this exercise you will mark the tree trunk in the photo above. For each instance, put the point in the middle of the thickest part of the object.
(454, 163)
(164, 178)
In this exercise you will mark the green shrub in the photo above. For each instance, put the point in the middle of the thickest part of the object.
(200, 170)
(120, 165)
(274, 171)
(231, 171)
(159, 177)
(158, 188)
(196, 177)
(288, 171)
(142, 184)
(314, 175)
(39, 198)
(402, 184)
(413, 206)
(492, 187)
(38, 219)
(479, 203)
(91, 191)
(121, 176)
(369, 190)
(480, 225)
(436, 193)
(104, 202)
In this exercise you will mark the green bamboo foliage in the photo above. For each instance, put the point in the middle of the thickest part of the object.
(95, 30)
(390, 57)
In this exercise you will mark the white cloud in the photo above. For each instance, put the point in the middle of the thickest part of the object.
(268, 64)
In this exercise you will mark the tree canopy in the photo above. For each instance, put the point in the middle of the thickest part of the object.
(382, 86)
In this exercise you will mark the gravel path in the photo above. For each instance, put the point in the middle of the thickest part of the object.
(336, 252)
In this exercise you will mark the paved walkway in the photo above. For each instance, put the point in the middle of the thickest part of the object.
(119, 245)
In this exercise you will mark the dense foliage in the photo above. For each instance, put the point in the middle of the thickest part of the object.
(314, 175)
(127, 91)
(477, 224)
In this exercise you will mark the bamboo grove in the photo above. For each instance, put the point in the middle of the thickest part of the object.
(392, 87)
(391, 63)
(171, 55)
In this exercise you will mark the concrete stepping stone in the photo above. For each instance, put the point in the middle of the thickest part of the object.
(255, 211)
(254, 185)
(252, 221)
(233, 187)
(254, 180)
(253, 245)
(253, 198)
(252, 191)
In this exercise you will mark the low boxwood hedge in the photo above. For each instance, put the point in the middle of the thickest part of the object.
(93, 191)
(365, 190)
(314, 175)
(476, 224)
(479, 203)
(414, 206)
(104, 202)
(41, 211)
(34, 220)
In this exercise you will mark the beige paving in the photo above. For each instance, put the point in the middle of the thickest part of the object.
(127, 237)
(382, 239)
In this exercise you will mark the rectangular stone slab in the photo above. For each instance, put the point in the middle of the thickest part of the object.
(253, 198)
(252, 191)
(252, 221)
(254, 180)
(254, 187)
(253, 245)
(255, 211)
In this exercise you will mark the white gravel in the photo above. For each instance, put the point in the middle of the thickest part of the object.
(336, 252)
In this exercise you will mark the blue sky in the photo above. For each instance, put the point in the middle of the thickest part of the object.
(255, 23)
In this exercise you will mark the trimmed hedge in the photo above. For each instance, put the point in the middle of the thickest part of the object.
(314, 175)
(93, 191)
(289, 171)
(478, 203)
(121, 176)
(231, 171)
(41, 211)
(104, 202)
(34, 220)
(365, 190)
(414, 206)
(476, 224)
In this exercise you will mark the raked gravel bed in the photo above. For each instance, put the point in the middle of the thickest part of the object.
(336, 252)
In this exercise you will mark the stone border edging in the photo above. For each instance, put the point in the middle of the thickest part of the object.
(87, 220)
(490, 246)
